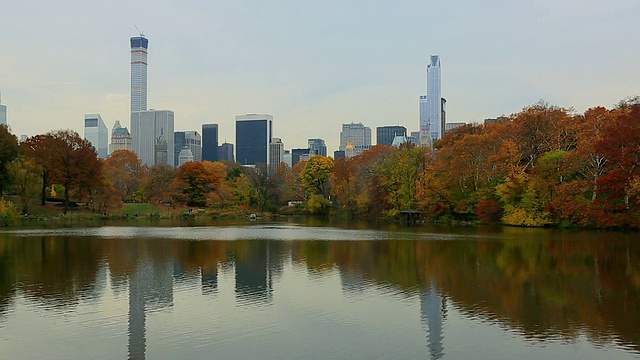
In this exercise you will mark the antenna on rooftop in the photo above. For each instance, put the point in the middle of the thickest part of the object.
(139, 32)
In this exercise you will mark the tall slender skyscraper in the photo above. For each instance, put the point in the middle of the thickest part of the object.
(431, 104)
(3, 113)
(139, 46)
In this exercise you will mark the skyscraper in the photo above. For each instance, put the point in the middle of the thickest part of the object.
(210, 142)
(386, 134)
(120, 138)
(318, 147)
(152, 136)
(139, 46)
(276, 154)
(357, 134)
(298, 155)
(179, 143)
(225, 152)
(3, 113)
(187, 139)
(96, 132)
(193, 141)
(431, 104)
(253, 136)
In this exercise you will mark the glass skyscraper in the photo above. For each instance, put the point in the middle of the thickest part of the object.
(253, 136)
(386, 134)
(431, 104)
(210, 142)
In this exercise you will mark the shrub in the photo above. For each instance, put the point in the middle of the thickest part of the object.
(7, 213)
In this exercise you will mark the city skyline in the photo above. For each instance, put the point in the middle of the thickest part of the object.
(500, 57)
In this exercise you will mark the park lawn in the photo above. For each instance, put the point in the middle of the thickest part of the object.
(139, 208)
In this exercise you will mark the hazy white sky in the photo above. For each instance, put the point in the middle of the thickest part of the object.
(312, 65)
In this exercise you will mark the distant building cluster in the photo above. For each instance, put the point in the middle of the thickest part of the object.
(151, 133)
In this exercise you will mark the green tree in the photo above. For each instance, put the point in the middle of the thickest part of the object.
(41, 148)
(24, 173)
(9, 150)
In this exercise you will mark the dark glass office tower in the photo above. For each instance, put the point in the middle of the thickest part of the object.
(253, 136)
(210, 142)
(386, 134)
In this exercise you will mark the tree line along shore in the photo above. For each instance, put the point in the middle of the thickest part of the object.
(542, 166)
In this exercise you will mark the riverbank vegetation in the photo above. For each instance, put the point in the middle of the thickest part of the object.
(543, 166)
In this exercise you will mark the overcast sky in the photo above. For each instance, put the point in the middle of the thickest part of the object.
(312, 65)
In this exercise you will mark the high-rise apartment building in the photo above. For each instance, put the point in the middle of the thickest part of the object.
(120, 138)
(210, 142)
(96, 132)
(3, 113)
(431, 105)
(139, 47)
(253, 136)
(276, 154)
(358, 135)
(386, 134)
(225, 152)
(152, 136)
(318, 147)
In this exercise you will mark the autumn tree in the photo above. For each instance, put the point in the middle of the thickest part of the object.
(124, 170)
(24, 174)
(74, 162)
(157, 186)
(9, 150)
(343, 185)
(196, 180)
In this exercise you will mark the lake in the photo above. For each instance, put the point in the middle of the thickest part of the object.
(317, 289)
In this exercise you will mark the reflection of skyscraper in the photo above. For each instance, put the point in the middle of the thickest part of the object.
(209, 279)
(255, 271)
(432, 315)
(150, 287)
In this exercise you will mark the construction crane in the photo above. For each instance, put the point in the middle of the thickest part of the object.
(139, 32)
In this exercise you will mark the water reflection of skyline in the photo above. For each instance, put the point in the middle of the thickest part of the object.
(151, 274)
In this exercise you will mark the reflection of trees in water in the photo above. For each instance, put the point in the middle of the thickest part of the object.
(557, 288)
(560, 288)
(55, 271)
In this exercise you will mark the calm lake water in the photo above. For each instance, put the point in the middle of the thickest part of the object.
(317, 290)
